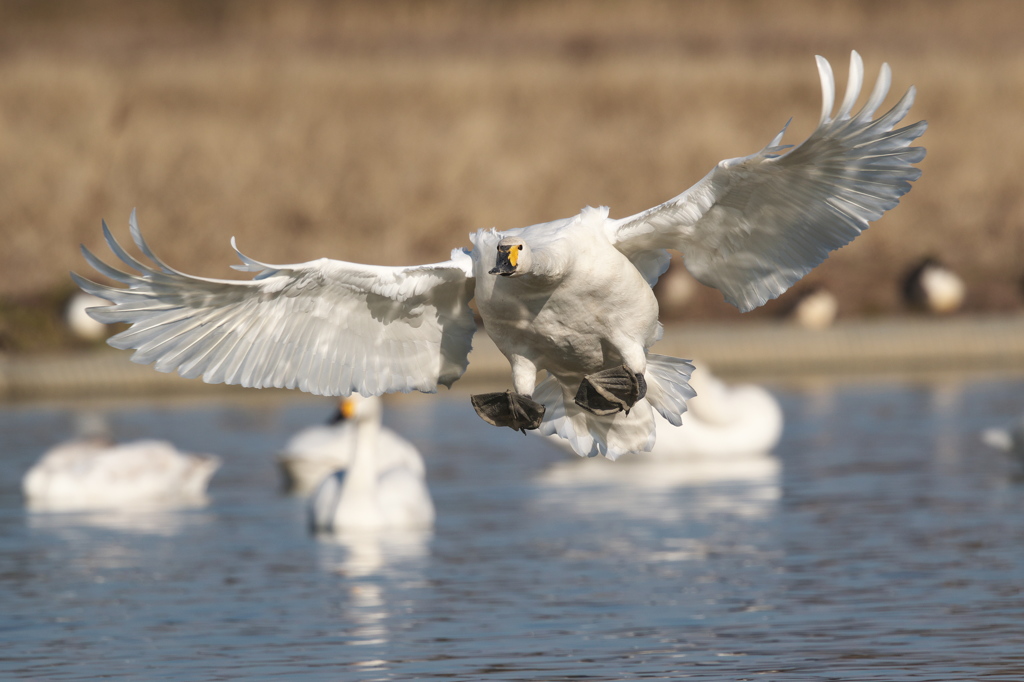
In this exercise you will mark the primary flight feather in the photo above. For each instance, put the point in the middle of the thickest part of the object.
(571, 297)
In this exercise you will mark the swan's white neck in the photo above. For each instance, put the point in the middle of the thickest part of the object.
(358, 501)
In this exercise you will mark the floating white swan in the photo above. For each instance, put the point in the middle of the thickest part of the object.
(816, 309)
(571, 297)
(383, 486)
(316, 452)
(933, 287)
(722, 420)
(1009, 440)
(91, 474)
(78, 320)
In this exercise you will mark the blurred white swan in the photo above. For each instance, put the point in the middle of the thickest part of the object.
(1009, 440)
(316, 452)
(571, 297)
(92, 474)
(78, 320)
(815, 309)
(384, 485)
(721, 420)
(933, 287)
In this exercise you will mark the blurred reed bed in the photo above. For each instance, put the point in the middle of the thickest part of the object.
(385, 132)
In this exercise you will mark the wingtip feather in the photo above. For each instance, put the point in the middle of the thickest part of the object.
(828, 87)
(854, 82)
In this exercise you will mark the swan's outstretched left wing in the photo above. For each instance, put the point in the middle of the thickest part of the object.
(757, 224)
(326, 327)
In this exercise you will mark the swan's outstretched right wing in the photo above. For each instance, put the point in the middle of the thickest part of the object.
(325, 327)
(757, 224)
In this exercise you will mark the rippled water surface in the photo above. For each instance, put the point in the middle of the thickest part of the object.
(881, 541)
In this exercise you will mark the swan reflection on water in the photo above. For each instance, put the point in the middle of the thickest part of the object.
(164, 521)
(372, 564)
(717, 461)
(746, 485)
(96, 541)
(362, 554)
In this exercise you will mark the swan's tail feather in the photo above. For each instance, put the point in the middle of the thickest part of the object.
(668, 386)
(590, 435)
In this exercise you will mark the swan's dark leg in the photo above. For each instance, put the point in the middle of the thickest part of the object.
(514, 410)
(611, 390)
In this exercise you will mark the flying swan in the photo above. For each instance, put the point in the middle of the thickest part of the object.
(571, 297)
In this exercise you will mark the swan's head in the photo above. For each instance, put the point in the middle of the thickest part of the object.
(355, 407)
(513, 258)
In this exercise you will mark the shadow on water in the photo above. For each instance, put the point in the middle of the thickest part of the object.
(879, 541)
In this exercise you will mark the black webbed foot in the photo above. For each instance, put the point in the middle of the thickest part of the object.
(611, 390)
(514, 410)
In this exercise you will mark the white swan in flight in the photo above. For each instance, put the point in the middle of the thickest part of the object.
(383, 487)
(571, 297)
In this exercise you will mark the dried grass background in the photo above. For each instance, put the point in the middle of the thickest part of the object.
(383, 132)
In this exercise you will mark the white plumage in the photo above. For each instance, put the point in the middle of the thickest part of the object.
(78, 320)
(383, 485)
(316, 452)
(1009, 440)
(933, 287)
(90, 473)
(816, 309)
(722, 420)
(576, 300)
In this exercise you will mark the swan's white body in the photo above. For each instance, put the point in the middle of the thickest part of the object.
(1010, 441)
(935, 288)
(816, 310)
(78, 320)
(90, 474)
(722, 420)
(316, 452)
(383, 487)
(579, 300)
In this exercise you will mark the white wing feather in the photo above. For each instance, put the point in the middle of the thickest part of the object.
(757, 224)
(325, 327)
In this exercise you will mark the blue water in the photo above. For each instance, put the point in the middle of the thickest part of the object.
(881, 541)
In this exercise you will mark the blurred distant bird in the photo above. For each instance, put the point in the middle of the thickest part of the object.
(92, 473)
(816, 308)
(675, 289)
(1010, 440)
(722, 420)
(79, 321)
(314, 453)
(571, 297)
(382, 487)
(933, 287)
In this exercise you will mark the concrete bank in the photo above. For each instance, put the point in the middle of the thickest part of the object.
(770, 351)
